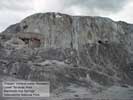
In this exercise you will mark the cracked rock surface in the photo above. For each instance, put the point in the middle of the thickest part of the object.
(78, 55)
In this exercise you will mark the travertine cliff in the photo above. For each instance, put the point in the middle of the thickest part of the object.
(62, 30)
(74, 50)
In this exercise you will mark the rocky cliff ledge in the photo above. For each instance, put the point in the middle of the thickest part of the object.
(66, 31)
(80, 50)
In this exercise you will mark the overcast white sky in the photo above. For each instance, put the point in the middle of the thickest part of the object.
(13, 11)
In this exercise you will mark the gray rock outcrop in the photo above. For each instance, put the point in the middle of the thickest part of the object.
(73, 50)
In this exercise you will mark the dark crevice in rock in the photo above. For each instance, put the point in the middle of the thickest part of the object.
(100, 42)
(25, 26)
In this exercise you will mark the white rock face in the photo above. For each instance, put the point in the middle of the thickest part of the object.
(79, 51)
(62, 31)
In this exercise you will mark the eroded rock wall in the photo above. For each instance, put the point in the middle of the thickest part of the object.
(76, 50)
